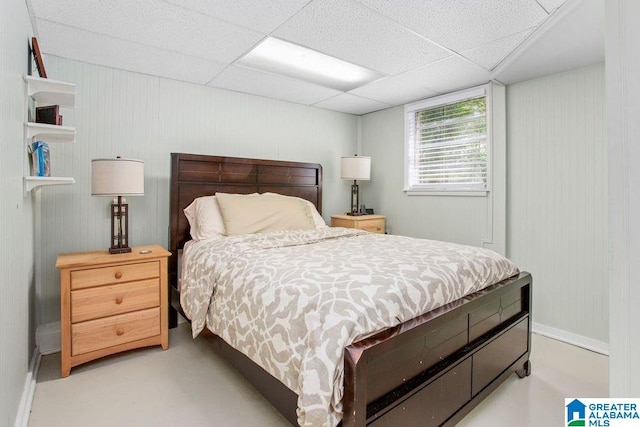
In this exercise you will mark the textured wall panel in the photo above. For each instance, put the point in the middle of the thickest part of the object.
(454, 219)
(471, 220)
(16, 213)
(623, 135)
(139, 116)
(557, 197)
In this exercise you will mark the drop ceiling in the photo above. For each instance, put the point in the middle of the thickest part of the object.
(421, 47)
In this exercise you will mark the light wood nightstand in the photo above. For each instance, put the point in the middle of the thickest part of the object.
(112, 303)
(371, 223)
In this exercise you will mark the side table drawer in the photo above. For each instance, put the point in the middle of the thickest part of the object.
(103, 301)
(110, 331)
(372, 226)
(370, 223)
(117, 274)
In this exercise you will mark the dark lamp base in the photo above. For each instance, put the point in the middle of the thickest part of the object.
(355, 213)
(119, 250)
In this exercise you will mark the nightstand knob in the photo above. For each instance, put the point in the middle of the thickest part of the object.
(118, 300)
(118, 275)
(119, 332)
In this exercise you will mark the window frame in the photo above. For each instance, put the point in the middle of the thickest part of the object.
(449, 98)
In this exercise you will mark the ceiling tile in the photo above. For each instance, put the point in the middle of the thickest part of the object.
(490, 54)
(424, 47)
(449, 75)
(576, 39)
(270, 85)
(550, 5)
(259, 15)
(352, 104)
(349, 31)
(394, 90)
(68, 42)
(462, 24)
(153, 23)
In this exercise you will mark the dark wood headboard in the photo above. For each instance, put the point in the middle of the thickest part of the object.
(194, 175)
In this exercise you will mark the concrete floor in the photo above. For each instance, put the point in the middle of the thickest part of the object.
(189, 385)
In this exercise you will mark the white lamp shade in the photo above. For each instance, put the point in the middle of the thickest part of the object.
(117, 177)
(356, 167)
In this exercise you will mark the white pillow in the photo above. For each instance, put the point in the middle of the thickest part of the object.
(205, 219)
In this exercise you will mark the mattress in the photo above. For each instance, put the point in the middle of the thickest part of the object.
(292, 301)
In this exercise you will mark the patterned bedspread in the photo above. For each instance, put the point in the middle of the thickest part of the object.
(292, 301)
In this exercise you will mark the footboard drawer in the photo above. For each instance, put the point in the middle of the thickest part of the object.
(434, 403)
(493, 313)
(415, 357)
(499, 354)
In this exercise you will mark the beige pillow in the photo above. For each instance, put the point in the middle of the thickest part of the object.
(263, 213)
(318, 221)
(205, 219)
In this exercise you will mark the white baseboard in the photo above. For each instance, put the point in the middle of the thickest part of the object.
(570, 338)
(24, 410)
(48, 338)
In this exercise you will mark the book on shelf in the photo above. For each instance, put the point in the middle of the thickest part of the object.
(39, 159)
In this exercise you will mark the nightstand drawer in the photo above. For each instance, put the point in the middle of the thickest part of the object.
(103, 301)
(372, 226)
(117, 274)
(114, 330)
(370, 223)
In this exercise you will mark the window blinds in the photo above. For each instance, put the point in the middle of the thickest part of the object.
(447, 144)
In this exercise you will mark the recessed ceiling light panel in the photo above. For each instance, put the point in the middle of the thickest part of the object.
(292, 60)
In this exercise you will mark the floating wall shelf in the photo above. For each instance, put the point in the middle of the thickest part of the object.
(50, 133)
(33, 182)
(49, 92)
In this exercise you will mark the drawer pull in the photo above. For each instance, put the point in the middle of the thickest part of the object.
(118, 275)
(118, 300)
(119, 332)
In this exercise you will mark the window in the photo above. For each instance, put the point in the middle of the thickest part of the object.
(447, 143)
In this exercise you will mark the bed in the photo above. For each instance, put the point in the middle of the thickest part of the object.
(428, 370)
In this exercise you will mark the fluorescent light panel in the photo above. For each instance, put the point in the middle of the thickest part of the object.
(292, 60)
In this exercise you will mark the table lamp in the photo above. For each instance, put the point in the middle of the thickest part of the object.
(355, 168)
(117, 178)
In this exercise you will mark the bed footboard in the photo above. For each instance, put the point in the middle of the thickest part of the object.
(435, 369)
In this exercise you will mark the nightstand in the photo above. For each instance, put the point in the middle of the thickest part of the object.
(112, 303)
(371, 223)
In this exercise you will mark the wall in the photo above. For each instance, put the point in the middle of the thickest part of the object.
(557, 193)
(144, 117)
(16, 213)
(623, 131)
(473, 220)
(555, 204)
